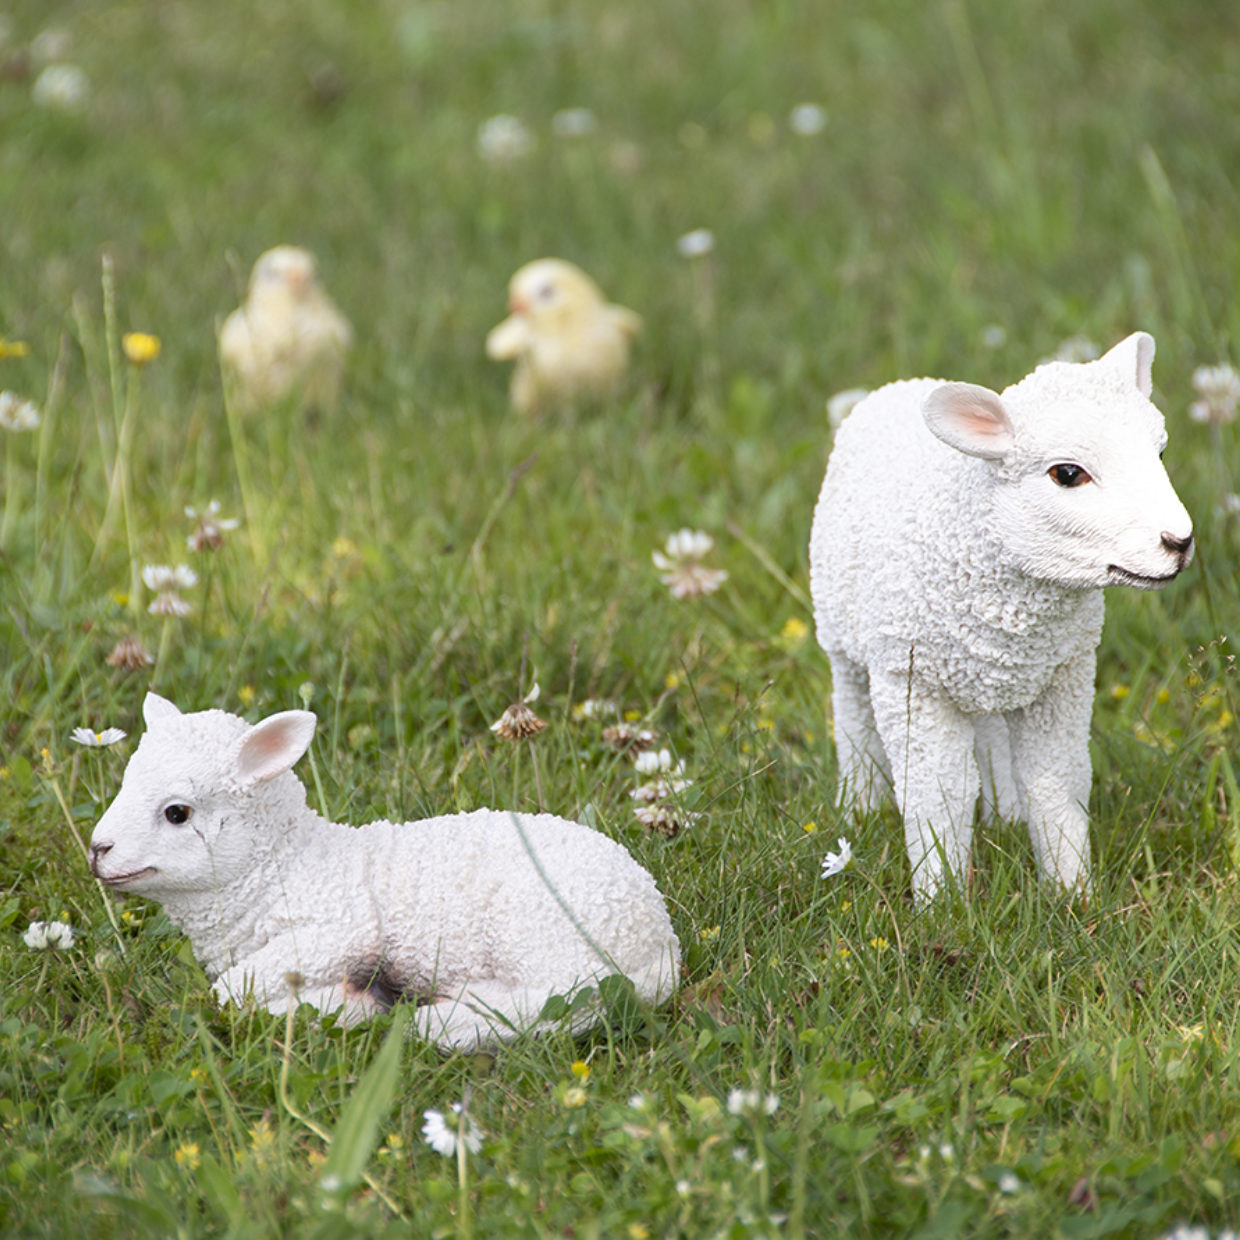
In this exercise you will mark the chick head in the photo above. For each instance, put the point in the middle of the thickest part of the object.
(552, 293)
(285, 269)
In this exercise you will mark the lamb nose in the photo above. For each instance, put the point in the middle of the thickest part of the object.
(97, 851)
(1177, 545)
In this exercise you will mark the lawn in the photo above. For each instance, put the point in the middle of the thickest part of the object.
(975, 185)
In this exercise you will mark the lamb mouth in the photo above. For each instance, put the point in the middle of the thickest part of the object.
(1122, 577)
(120, 880)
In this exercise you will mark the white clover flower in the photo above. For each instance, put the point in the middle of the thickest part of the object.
(665, 819)
(1009, 1183)
(504, 139)
(656, 761)
(443, 1135)
(1219, 389)
(160, 577)
(752, 1102)
(48, 936)
(696, 244)
(17, 414)
(680, 567)
(843, 403)
(97, 740)
(211, 527)
(629, 738)
(61, 86)
(170, 604)
(659, 790)
(807, 119)
(596, 708)
(835, 863)
(573, 123)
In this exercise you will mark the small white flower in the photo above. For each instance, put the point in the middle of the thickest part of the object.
(17, 414)
(994, 336)
(573, 123)
(211, 527)
(596, 708)
(61, 86)
(834, 863)
(49, 936)
(1009, 1183)
(638, 1102)
(533, 695)
(947, 1151)
(503, 139)
(170, 604)
(443, 1135)
(659, 790)
(653, 762)
(53, 43)
(665, 819)
(696, 244)
(843, 403)
(97, 740)
(683, 1188)
(752, 1102)
(807, 119)
(1219, 389)
(680, 567)
(160, 577)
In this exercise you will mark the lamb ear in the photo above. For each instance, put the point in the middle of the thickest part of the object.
(272, 746)
(155, 708)
(970, 419)
(1133, 357)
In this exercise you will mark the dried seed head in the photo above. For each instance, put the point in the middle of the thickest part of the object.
(130, 655)
(518, 723)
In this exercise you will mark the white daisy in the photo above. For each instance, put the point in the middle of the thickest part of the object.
(835, 863)
(97, 740)
(442, 1134)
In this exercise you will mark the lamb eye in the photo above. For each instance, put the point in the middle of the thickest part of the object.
(178, 815)
(1069, 475)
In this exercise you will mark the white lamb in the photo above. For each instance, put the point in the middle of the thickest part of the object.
(478, 918)
(958, 552)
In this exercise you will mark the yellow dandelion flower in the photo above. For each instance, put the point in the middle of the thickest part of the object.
(246, 695)
(140, 347)
(13, 348)
(580, 1069)
(188, 1155)
(795, 630)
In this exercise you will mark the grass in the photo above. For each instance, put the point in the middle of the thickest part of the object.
(1010, 1065)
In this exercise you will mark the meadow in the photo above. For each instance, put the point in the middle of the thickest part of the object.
(979, 184)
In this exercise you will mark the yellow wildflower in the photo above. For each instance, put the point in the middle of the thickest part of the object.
(140, 347)
(879, 944)
(13, 348)
(1119, 692)
(188, 1155)
(247, 695)
(795, 630)
(672, 680)
(809, 828)
(708, 934)
(580, 1069)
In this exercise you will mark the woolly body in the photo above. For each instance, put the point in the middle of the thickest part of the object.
(289, 340)
(464, 914)
(956, 588)
(569, 343)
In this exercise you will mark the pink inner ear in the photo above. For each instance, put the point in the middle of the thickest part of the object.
(275, 744)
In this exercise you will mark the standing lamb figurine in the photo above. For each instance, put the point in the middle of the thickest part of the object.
(958, 555)
(475, 918)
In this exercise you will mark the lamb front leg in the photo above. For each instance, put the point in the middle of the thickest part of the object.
(930, 745)
(1050, 762)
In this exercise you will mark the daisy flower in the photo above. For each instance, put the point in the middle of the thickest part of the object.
(443, 1133)
(97, 740)
(835, 863)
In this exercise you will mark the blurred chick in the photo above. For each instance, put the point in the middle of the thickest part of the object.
(288, 340)
(568, 342)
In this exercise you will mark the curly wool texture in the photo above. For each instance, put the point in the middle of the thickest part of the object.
(956, 587)
(479, 918)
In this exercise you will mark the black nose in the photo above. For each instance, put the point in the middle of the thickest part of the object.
(97, 851)
(1177, 545)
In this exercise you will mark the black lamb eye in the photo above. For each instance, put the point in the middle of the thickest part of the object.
(1069, 475)
(178, 815)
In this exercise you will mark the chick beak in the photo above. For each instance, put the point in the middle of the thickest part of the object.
(518, 305)
(298, 281)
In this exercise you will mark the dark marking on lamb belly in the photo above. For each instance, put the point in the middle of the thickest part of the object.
(386, 987)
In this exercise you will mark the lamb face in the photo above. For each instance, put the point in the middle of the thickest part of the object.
(181, 822)
(1079, 493)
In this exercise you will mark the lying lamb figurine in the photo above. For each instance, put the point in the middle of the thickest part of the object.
(958, 553)
(475, 920)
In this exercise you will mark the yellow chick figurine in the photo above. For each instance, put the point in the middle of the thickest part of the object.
(289, 339)
(568, 341)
